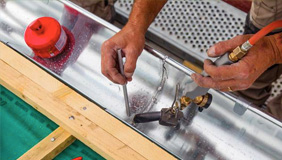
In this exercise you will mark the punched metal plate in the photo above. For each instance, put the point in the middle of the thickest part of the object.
(216, 133)
(276, 88)
(192, 26)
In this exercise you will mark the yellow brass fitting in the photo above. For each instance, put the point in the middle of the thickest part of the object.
(184, 102)
(198, 100)
(237, 54)
(201, 101)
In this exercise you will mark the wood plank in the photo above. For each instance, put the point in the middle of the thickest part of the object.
(50, 146)
(81, 127)
(30, 71)
(93, 113)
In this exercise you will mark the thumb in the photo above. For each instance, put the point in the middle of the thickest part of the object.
(224, 46)
(130, 64)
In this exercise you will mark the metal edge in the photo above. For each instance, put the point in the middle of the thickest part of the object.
(114, 28)
(91, 15)
(172, 62)
(251, 107)
(91, 100)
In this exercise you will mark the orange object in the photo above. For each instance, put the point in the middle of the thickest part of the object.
(264, 31)
(46, 37)
(77, 158)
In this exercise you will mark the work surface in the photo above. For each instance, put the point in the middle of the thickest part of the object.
(216, 133)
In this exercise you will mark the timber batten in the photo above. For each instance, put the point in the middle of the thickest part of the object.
(94, 127)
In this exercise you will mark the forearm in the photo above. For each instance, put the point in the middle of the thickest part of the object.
(143, 13)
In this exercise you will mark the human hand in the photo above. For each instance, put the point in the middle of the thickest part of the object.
(132, 42)
(240, 75)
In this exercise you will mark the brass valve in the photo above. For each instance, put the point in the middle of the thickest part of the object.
(203, 101)
(184, 102)
(171, 116)
(237, 54)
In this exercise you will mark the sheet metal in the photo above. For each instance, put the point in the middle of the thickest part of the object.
(192, 25)
(217, 133)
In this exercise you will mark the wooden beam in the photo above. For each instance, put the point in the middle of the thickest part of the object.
(79, 126)
(50, 146)
(93, 126)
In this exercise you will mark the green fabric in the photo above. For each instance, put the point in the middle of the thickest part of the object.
(21, 127)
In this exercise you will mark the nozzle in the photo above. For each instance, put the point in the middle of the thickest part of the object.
(202, 102)
(36, 26)
(184, 102)
(147, 117)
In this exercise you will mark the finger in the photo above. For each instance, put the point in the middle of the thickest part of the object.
(221, 72)
(130, 63)
(224, 46)
(240, 70)
(109, 64)
(116, 76)
(129, 79)
(208, 82)
(112, 70)
(110, 78)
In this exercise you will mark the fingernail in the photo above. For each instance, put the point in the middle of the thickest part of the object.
(211, 51)
(129, 79)
(128, 75)
(208, 62)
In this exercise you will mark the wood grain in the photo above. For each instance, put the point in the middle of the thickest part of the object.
(93, 126)
(47, 149)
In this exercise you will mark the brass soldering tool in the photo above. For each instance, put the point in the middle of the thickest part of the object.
(171, 116)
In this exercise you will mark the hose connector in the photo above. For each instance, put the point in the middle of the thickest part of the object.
(239, 52)
(202, 101)
(246, 46)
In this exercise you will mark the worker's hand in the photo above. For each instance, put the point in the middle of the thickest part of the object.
(132, 43)
(240, 75)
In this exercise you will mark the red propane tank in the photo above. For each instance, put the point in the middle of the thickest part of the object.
(46, 37)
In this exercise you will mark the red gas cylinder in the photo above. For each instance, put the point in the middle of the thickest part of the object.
(46, 37)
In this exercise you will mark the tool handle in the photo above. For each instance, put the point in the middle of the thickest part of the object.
(147, 117)
(120, 62)
(223, 60)
(125, 94)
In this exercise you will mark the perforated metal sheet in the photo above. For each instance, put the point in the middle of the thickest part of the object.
(193, 26)
(276, 88)
(216, 133)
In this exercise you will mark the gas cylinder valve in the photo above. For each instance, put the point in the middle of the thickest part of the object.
(203, 101)
(171, 116)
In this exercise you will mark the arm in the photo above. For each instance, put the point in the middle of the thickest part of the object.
(143, 13)
(131, 39)
(241, 75)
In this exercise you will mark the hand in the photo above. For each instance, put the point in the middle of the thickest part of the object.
(240, 75)
(132, 43)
